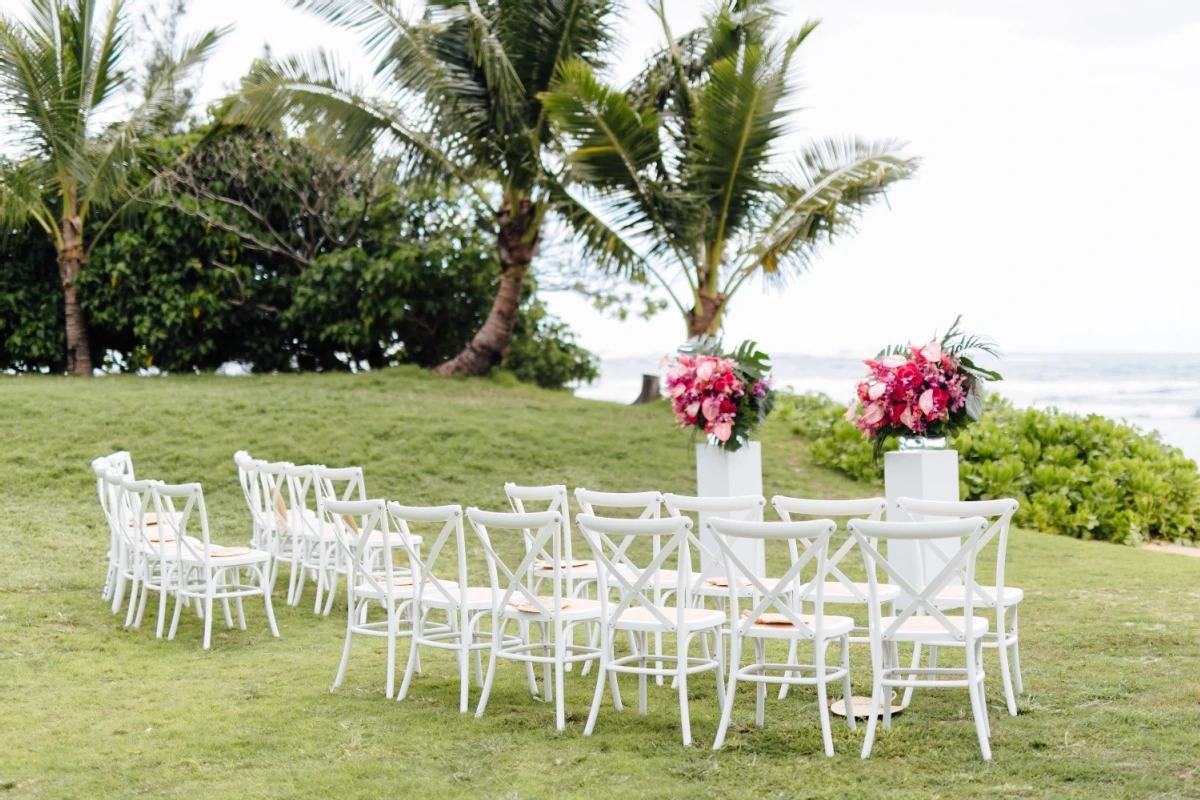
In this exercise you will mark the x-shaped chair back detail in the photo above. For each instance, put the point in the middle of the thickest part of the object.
(870, 508)
(609, 539)
(173, 521)
(425, 576)
(542, 534)
(808, 542)
(959, 563)
(372, 518)
(747, 507)
(1000, 514)
(554, 498)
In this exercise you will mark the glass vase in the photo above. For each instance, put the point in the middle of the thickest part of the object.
(922, 443)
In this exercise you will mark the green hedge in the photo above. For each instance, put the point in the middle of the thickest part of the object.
(1082, 476)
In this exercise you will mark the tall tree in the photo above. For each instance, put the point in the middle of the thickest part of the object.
(460, 100)
(60, 75)
(690, 159)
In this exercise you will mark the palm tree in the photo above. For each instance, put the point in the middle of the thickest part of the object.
(688, 159)
(60, 73)
(459, 98)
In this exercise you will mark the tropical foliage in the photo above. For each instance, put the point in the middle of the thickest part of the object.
(1082, 476)
(694, 165)
(62, 68)
(459, 99)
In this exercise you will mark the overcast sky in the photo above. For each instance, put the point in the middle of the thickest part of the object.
(1056, 208)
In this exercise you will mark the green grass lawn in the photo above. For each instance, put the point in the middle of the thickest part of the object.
(1111, 635)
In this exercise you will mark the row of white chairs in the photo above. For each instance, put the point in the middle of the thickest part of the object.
(320, 523)
(152, 549)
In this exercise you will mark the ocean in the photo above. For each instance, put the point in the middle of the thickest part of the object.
(1155, 392)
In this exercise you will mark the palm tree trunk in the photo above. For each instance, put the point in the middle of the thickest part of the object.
(489, 345)
(516, 243)
(705, 318)
(70, 262)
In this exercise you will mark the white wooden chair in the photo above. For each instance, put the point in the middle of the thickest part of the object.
(515, 598)
(708, 582)
(315, 547)
(339, 483)
(465, 606)
(646, 505)
(120, 558)
(841, 590)
(155, 553)
(207, 572)
(998, 596)
(282, 542)
(808, 547)
(374, 578)
(260, 509)
(920, 621)
(637, 612)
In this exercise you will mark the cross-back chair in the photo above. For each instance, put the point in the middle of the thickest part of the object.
(919, 620)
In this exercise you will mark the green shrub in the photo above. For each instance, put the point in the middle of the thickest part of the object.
(1082, 476)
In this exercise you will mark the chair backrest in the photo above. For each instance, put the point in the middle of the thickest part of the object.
(871, 508)
(610, 538)
(369, 566)
(121, 461)
(336, 483)
(104, 493)
(551, 498)
(960, 563)
(251, 483)
(648, 504)
(132, 502)
(175, 505)
(542, 534)
(126, 525)
(748, 508)
(998, 512)
(808, 543)
(425, 572)
(273, 485)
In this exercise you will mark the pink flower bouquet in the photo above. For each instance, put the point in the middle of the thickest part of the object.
(930, 390)
(724, 396)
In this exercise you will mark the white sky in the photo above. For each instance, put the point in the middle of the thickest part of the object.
(1056, 208)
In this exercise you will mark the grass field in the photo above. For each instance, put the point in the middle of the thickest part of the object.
(1111, 636)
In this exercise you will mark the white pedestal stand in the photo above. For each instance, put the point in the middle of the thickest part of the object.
(724, 474)
(922, 475)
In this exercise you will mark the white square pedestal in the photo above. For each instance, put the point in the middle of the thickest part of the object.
(723, 474)
(923, 475)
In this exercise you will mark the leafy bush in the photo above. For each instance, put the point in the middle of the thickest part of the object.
(543, 350)
(1082, 476)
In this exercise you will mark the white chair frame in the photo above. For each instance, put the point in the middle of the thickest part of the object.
(845, 590)
(639, 612)
(1006, 637)
(515, 599)
(120, 557)
(813, 536)
(965, 631)
(260, 512)
(465, 607)
(338, 483)
(207, 572)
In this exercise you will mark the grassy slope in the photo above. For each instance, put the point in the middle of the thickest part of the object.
(1111, 635)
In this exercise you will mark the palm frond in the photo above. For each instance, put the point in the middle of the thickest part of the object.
(378, 22)
(23, 195)
(830, 182)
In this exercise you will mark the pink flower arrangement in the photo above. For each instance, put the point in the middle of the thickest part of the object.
(913, 393)
(704, 392)
(931, 390)
(725, 397)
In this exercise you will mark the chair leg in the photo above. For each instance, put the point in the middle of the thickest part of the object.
(119, 590)
(791, 659)
(497, 636)
(465, 639)
(735, 661)
(1016, 653)
(179, 598)
(719, 644)
(560, 667)
(332, 587)
(410, 667)
(393, 624)
(141, 602)
(847, 693)
(685, 720)
(341, 673)
(602, 673)
(1005, 673)
(916, 662)
(760, 703)
(208, 614)
(267, 603)
(641, 648)
(658, 665)
(547, 668)
(873, 714)
(241, 612)
(530, 677)
(162, 606)
(979, 715)
(823, 697)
